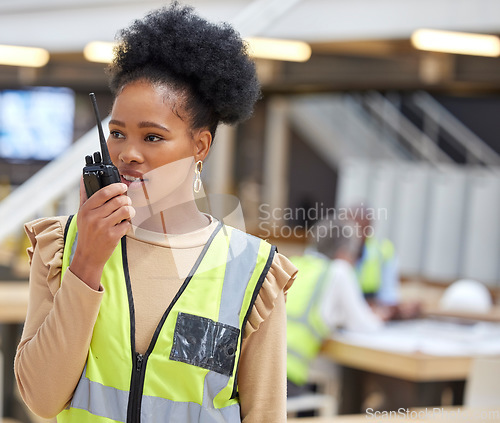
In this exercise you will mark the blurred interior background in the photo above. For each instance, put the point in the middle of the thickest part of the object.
(367, 117)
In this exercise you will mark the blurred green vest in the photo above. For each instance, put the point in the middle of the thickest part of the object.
(369, 269)
(305, 327)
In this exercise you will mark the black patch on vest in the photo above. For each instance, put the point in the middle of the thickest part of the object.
(205, 343)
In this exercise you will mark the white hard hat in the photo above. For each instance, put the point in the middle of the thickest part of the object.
(466, 295)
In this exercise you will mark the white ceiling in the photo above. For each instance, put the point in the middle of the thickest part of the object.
(67, 25)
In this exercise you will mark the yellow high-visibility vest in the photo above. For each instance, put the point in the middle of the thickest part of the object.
(189, 372)
(369, 270)
(305, 327)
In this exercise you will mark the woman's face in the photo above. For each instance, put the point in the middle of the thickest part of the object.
(152, 147)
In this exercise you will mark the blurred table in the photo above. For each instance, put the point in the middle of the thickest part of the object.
(416, 367)
(492, 316)
(411, 362)
(13, 307)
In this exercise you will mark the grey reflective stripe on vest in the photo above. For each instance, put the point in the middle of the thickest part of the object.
(158, 410)
(100, 400)
(112, 403)
(241, 260)
(214, 383)
(73, 248)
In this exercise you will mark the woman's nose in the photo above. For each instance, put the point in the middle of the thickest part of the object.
(130, 153)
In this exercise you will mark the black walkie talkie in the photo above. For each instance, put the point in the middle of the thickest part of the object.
(99, 171)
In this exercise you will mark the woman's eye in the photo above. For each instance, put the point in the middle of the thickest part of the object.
(116, 134)
(153, 138)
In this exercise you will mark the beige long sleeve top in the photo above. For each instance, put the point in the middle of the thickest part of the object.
(61, 316)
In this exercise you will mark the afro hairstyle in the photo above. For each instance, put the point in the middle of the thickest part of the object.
(208, 63)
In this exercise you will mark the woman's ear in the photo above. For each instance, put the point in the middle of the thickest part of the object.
(203, 141)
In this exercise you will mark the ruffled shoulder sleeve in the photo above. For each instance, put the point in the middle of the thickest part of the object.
(46, 236)
(278, 280)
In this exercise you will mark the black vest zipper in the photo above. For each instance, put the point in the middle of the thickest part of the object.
(138, 367)
(136, 385)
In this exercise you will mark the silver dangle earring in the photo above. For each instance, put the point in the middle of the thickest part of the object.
(197, 176)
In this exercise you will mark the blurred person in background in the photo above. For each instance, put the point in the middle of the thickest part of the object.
(377, 269)
(326, 296)
(141, 307)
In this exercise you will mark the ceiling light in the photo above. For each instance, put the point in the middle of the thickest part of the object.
(259, 48)
(456, 42)
(270, 48)
(99, 51)
(23, 56)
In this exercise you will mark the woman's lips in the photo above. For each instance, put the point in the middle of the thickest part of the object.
(132, 184)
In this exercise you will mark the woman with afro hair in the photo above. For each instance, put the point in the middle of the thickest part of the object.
(142, 308)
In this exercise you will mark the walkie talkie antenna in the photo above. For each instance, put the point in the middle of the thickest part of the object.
(104, 147)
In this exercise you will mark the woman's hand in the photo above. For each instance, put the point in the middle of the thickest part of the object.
(102, 221)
